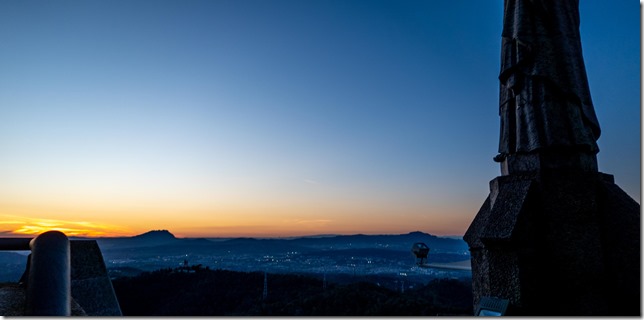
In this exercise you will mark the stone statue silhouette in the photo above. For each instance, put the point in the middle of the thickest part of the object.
(544, 98)
(551, 208)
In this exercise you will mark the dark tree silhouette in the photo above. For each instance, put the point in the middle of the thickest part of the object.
(204, 292)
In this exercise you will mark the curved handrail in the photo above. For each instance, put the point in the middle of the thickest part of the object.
(49, 280)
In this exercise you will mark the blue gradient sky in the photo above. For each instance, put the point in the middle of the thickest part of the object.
(270, 118)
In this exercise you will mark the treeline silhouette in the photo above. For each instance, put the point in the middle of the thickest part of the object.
(198, 291)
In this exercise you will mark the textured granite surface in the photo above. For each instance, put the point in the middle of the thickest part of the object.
(91, 287)
(558, 243)
(13, 298)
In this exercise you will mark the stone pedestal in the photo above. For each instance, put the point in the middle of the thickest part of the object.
(556, 237)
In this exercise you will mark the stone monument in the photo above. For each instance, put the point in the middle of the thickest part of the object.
(555, 236)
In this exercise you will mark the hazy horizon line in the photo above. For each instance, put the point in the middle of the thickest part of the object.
(457, 236)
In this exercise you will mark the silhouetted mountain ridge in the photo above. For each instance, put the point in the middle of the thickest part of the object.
(162, 235)
(153, 238)
(393, 242)
(163, 242)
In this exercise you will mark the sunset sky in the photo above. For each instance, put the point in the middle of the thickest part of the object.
(273, 117)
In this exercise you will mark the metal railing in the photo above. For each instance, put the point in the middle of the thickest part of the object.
(48, 273)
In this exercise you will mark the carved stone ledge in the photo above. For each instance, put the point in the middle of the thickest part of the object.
(532, 163)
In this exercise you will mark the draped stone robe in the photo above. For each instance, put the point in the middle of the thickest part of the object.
(544, 95)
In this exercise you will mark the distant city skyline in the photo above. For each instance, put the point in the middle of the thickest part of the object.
(274, 118)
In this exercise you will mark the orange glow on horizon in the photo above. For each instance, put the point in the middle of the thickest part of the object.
(270, 220)
(24, 227)
(21, 226)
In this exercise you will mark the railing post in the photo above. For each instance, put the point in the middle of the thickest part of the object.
(15, 244)
(49, 280)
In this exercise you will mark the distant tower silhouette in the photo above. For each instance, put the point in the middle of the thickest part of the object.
(265, 293)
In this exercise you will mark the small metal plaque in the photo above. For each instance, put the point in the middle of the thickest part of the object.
(492, 307)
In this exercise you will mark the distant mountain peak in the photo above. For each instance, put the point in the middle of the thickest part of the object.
(156, 235)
